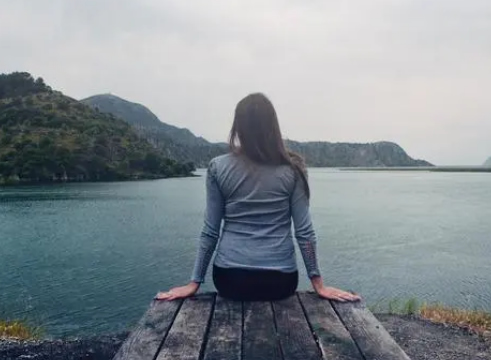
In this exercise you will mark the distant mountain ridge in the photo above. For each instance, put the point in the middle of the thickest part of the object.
(141, 117)
(487, 163)
(378, 154)
(176, 143)
(183, 145)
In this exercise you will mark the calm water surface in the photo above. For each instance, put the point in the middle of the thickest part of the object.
(83, 259)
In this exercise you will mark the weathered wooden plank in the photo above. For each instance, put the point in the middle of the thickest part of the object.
(260, 341)
(296, 338)
(373, 340)
(143, 343)
(187, 335)
(334, 340)
(225, 336)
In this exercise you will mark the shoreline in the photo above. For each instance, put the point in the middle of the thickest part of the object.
(61, 182)
(421, 339)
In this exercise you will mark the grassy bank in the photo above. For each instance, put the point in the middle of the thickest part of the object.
(17, 329)
(476, 321)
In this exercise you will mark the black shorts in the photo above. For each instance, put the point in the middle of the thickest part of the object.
(254, 285)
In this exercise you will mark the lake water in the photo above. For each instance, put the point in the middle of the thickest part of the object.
(83, 259)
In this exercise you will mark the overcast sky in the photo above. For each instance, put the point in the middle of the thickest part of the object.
(416, 72)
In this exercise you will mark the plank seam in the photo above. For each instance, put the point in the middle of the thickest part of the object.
(349, 332)
(242, 332)
(276, 331)
(316, 338)
(168, 329)
(207, 331)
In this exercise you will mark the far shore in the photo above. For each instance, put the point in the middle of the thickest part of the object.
(476, 169)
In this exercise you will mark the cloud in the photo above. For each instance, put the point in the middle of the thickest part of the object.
(411, 71)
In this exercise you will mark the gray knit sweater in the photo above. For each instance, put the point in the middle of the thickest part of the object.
(248, 219)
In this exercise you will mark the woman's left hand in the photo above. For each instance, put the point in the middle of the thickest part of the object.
(337, 294)
(178, 292)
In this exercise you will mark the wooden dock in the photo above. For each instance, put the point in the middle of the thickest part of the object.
(302, 327)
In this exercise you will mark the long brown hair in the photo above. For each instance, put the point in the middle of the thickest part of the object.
(256, 134)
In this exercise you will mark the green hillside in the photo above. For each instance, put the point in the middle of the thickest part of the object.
(46, 136)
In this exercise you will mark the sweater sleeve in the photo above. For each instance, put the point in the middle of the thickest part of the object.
(210, 233)
(304, 230)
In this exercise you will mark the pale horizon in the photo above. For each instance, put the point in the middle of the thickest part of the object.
(413, 72)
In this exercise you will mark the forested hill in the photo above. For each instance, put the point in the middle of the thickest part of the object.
(487, 163)
(46, 136)
(183, 145)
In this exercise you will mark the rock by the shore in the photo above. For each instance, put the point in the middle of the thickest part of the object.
(95, 348)
(424, 340)
(420, 339)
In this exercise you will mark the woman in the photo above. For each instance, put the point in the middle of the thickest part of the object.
(257, 190)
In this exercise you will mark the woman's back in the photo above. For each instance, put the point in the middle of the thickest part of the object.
(257, 218)
(257, 204)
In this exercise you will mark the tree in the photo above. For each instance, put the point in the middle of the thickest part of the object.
(189, 167)
(40, 83)
(63, 105)
(20, 84)
(6, 169)
(6, 139)
(152, 162)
